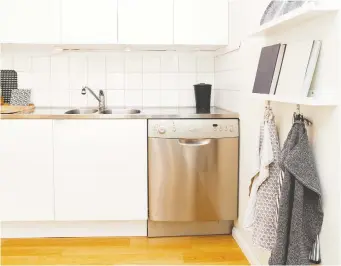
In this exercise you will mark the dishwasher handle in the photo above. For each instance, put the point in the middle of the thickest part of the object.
(194, 142)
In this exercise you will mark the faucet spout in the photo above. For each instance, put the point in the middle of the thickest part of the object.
(100, 98)
(91, 91)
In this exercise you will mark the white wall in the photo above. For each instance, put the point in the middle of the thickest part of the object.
(145, 79)
(234, 77)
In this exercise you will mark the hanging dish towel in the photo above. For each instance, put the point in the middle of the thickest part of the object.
(265, 158)
(262, 210)
(300, 212)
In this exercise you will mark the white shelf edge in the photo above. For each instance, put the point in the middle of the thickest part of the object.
(311, 101)
(300, 14)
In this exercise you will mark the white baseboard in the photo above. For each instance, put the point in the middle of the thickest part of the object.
(73, 229)
(251, 257)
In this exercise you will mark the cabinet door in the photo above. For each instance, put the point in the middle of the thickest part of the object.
(201, 22)
(33, 21)
(100, 169)
(26, 163)
(89, 22)
(145, 21)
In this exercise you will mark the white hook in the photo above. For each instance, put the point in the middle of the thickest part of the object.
(298, 109)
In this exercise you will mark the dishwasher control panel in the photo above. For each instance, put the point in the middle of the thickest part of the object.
(193, 128)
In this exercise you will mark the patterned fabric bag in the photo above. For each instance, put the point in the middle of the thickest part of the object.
(20, 97)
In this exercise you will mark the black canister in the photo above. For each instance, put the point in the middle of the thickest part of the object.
(203, 97)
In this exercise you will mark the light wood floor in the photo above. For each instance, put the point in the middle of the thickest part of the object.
(109, 251)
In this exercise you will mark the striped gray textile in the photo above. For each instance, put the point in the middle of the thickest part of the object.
(315, 255)
(280, 183)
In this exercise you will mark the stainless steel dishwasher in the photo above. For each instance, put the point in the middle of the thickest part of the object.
(193, 175)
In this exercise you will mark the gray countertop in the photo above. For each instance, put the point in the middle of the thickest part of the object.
(146, 113)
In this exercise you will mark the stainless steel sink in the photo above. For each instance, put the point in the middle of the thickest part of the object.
(121, 111)
(81, 111)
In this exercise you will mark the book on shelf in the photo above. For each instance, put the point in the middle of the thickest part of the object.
(269, 68)
(314, 56)
(298, 69)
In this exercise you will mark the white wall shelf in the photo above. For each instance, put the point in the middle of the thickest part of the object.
(332, 100)
(294, 18)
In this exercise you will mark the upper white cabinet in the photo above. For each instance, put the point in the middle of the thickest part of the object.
(30, 21)
(89, 21)
(26, 163)
(145, 21)
(100, 170)
(201, 22)
(140, 22)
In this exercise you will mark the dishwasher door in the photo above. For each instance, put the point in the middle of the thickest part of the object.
(193, 179)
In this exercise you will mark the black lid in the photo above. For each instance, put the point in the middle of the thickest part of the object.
(203, 85)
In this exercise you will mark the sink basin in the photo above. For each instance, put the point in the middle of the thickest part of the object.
(81, 111)
(121, 111)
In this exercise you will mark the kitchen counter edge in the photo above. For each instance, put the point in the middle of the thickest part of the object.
(180, 113)
(117, 116)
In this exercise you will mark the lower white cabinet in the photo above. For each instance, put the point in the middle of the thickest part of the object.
(100, 170)
(26, 170)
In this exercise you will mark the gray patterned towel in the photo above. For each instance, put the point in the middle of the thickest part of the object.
(300, 212)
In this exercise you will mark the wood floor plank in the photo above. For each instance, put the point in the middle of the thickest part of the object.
(122, 250)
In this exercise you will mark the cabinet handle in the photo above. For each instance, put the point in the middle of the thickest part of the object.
(194, 142)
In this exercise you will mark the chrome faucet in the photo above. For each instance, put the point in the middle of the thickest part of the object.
(100, 98)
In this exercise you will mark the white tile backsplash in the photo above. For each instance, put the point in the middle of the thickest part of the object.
(169, 63)
(115, 63)
(60, 73)
(186, 98)
(148, 79)
(186, 81)
(151, 64)
(115, 98)
(78, 72)
(133, 98)
(187, 63)
(7, 61)
(152, 98)
(40, 65)
(41, 81)
(25, 80)
(96, 72)
(60, 98)
(59, 65)
(115, 81)
(134, 81)
(169, 98)
(133, 63)
(77, 99)
(169, 81)
(207, 78)
(22, 63)
(205, 64)
(41, 97)
(151, 81)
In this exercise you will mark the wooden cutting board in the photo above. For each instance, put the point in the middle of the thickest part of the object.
(8, 109)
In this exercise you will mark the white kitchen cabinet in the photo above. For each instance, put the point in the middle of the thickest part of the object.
(201, 22)
(145, 21)
(26, 166)
(30, 21)
(89, 22)
(100, 169)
